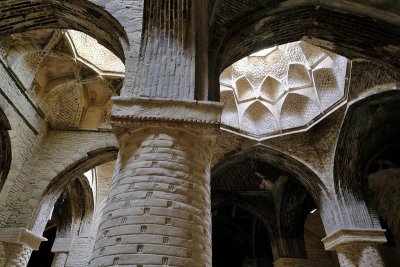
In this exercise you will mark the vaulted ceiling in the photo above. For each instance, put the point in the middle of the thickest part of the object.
(369, 29)
(282, 89)
(67, 74)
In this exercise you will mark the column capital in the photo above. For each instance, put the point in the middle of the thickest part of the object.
(61, 245)
(347, 236)
(135, 113)
(21, 236)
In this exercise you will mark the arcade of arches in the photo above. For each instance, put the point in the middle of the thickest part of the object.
(199, 133)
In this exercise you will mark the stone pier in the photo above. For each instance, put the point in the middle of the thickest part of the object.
(158, 210)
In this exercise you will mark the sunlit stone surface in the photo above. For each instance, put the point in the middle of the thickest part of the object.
(281, 89)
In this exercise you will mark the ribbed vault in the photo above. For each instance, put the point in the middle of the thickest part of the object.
(282, 89)
(68, 74)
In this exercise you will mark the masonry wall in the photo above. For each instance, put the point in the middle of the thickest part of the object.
(28, 129)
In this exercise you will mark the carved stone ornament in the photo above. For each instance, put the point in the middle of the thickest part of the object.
(133, 113)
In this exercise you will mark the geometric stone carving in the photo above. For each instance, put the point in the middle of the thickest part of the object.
(230, 113)
(244, 89)
(88, 49)
(281, 89)
(297, 110)
(131, 113)
(258, 118)
(298, 76)
(272, 89)
(68, 74)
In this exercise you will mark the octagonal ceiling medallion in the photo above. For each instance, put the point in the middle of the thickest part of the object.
(282, 89)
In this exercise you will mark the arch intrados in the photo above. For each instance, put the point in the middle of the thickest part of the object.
(282, 161)
(88, 194)
(5, 148)
(64, 216)
(377, 156)
(290, 191)
(77, 15)
(267, 27)
(342, 171)
(264, 218)
(58, 183)
(264, 20)
(84, 204)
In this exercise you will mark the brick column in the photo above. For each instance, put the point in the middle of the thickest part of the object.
(59, 260)
(158, 210)
(61, 248)
(17, 245)
(357, 247)
(16, 255)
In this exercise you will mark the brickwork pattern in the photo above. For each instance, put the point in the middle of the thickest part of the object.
(17, 255)
(105, 174)
(59, 259)
(59, 150)
(166, 56)
(266, 93)
(158, 210)
(360, 255)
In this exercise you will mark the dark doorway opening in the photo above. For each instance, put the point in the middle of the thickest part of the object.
(44, 257)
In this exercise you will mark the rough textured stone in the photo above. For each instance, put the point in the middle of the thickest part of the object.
(359, 254)
(56, 88)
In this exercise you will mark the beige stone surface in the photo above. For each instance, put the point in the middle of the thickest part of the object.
(59, 260)
(158, 209)
(361, 254)
(70, 69)
(286, 88)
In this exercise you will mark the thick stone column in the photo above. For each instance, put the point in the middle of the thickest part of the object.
(61, 248)
(59, 260)
(357, 247)
(17, 245)
(158, 211)
(16, 255)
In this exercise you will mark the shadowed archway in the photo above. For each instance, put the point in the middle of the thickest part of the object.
(5, 149)
(371, 123)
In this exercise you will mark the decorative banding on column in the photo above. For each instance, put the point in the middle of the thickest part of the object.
(132, 113)
(158, 211)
